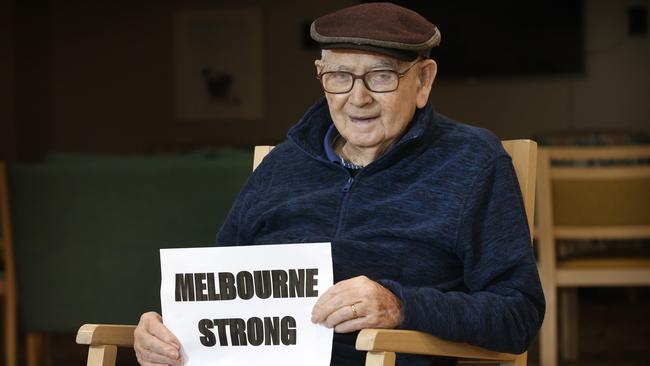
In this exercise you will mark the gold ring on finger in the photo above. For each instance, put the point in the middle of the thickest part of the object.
(354, 311)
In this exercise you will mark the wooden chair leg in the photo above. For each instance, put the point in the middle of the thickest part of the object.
(569, 327)
(380, 358)
(522, 360)
(102, 355)
(35, 348)
(10, 335)
(11, 343)
(548, 334)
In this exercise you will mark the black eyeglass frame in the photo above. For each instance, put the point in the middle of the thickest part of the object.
(319, 77)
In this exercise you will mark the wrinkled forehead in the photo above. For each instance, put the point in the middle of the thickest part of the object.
(356, 60)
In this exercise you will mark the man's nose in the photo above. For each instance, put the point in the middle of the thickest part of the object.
(359, 95)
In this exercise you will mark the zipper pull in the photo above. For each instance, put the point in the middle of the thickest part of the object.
(348, 184)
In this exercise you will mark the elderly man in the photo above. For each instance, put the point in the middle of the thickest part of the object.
(424, 214)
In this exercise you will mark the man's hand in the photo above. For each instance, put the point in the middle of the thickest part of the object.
(154, 344)
(356, 304)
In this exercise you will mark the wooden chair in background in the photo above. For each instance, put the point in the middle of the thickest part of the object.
(7, 274)
(381, 344)
(587, 194)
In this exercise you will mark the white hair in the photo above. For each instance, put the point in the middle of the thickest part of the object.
(323, 53)
(399, 63)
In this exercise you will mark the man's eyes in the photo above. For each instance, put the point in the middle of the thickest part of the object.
(340, 75)
(383, 74)
(378, 75)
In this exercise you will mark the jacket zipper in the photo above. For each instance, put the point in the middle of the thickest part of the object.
(348, 184)
(346, 189)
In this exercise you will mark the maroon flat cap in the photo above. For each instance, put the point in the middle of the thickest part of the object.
(384, 28)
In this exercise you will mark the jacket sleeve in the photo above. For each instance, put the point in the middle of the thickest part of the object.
(502, 305)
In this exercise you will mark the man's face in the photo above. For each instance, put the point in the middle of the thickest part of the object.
(368, 119)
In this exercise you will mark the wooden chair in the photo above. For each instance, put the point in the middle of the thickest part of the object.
(582, 199)
(381, 344)
(7, 276)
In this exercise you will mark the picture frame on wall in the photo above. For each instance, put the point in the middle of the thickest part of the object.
(218, 64)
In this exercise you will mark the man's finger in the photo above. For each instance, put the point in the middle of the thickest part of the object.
(351, 325)
(152, 355)
(160, 331)
(344, 313)
(146, 363)
(343, 293)
(154, 345)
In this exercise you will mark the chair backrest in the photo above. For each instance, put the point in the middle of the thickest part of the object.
(7, 279)
(524, 160)
(585, 194)
(260, 152)
(597, 193)
(594, 193)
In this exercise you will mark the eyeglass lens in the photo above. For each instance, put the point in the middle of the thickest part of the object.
(376, 81)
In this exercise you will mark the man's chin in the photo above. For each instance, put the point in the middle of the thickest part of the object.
(363, 143)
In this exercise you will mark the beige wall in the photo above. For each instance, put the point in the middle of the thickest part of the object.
(613, 93)
(110, 84)
(112, 76)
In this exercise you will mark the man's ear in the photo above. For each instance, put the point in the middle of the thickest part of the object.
(427, 74)
(319, 66)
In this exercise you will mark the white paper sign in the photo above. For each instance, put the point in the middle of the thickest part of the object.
(247, 305)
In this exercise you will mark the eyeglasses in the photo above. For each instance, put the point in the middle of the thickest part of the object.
(377, 81)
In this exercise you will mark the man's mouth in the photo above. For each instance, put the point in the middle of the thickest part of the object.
(362, 119)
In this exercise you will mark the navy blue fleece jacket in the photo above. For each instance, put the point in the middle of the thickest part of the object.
(438, 220)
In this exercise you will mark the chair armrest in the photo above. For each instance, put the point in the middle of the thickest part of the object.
(413, 342)
(106, 334)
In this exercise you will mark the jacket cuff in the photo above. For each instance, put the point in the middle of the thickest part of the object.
(410, 319)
